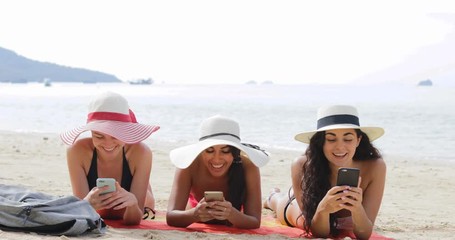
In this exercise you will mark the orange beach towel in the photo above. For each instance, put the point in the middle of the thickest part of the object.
(269, 226)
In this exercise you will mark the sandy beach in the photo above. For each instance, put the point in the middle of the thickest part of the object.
(417, 204)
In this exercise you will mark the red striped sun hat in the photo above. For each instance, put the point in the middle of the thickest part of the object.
(109, 113)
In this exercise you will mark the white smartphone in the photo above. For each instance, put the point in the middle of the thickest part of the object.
(213, 196)
(101, 182)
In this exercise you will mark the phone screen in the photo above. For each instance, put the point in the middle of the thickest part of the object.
(101, 182)
(213, 196)
(348, 177)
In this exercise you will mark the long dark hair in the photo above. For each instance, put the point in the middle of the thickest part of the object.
(236, 181)
(316, 173)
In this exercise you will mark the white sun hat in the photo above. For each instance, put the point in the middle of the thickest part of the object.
(217, 130)
(339, 117)
(109, 113)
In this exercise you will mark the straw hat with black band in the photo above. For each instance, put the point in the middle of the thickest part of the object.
(339, 117)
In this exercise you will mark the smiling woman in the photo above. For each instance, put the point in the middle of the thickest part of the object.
(217, 162)
(319, 202)
(114, 151)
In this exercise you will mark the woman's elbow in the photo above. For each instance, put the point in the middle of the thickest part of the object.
(251, 225)
(132, 222)
(319, 234)
(175, 222)
(363, 235)
(256, 225)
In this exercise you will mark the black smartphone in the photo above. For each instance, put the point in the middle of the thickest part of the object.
(348, 177)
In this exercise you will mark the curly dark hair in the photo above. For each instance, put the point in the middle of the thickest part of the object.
(316, 173)
(236, 182)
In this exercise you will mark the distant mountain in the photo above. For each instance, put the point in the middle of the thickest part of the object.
(16, 68)
(435, 62)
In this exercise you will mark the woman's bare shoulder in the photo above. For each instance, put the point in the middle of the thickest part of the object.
(80, 153)
(81, 147)
(373, 169)
(299, 161)
(82, 143)
(247, 163)
(137, 148)
(376, 164)
(138, 155)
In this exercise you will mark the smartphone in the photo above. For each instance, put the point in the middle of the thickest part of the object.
(213, 196)
(101, 182)
(348, 176)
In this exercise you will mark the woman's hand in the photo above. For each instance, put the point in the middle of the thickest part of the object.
(201, 211)
(334, 199)
(343, 197)
(121, 198)
(116, 200)
(206, 211)
(97, 199)
(220, 210)
(352, 199)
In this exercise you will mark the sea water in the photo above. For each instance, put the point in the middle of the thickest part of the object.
(418, 121)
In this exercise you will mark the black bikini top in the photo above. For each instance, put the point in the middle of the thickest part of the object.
(92, 175)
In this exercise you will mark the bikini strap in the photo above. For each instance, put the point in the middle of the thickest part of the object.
(290, 199)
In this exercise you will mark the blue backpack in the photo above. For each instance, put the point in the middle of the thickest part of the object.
(30, 211)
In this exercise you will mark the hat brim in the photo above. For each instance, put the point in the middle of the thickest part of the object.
(373, 133)
(126, 132)
(183, 157)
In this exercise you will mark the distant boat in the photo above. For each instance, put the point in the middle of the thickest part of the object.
(47, 82)
(427, 82)
(148, 81)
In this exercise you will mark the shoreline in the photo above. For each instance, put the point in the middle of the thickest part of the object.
(416, 189)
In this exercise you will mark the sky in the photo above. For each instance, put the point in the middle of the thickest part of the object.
(224, 41)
